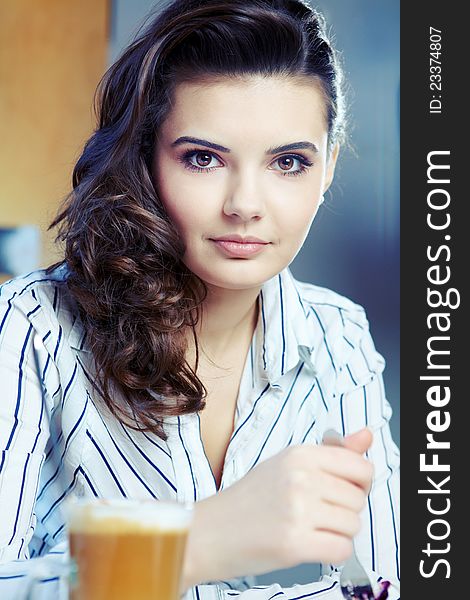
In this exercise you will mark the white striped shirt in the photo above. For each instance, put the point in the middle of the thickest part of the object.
(312, 365)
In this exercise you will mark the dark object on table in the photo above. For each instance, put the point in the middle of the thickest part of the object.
(383, 595)
(363, 593)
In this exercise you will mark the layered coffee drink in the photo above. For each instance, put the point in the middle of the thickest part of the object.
(123, 549)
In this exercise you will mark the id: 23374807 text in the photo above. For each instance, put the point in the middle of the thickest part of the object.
(435, 70)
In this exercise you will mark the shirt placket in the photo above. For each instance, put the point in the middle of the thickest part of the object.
(193, 475)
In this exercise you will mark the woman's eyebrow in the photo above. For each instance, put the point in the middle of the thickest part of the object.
(293, 146)
(192, 140)
(275, 150)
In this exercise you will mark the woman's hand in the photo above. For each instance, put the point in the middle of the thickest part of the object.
(301, 505)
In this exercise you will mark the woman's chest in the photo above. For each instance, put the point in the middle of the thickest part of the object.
(218, 418)
(244, 421)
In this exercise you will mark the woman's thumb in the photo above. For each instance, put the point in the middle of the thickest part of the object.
(359, 441)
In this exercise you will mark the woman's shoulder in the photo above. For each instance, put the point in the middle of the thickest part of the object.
(40, 299)
(331, 306)
(41, 286)
(343, 326)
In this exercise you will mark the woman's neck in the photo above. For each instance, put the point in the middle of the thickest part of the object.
(228, 320)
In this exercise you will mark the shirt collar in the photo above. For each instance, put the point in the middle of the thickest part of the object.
(283, 329)
(77, 337)
(282, 333)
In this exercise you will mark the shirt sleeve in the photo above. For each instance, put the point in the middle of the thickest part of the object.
(44, 578)
(359, 401)
(325, 589)
(24, 432)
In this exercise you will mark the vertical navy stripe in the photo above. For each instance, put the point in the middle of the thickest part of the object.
(82, 344)
(306, 396)
(69, 437)
(153, 442)
(341, 316)
(142, 453)
(307, 432)
(6, 313)
(54, 302)
(282, 326)
(31, 312)
(371, 520)
(54, 535)
(342, 414)
(264, 329)
(18, 556)
(321, 394)
(395, 537)
(324, 337)
(69, 384)
(61, 497)
(125, 459)
(351, 375)
(58, 342)
(54, 444)
(39, 427)
(189, 460)
(301, 303)
(108, 466)
(365, 360)
(278, 416)
(251, 364)
(43, 544)
(18, 398)
(87, 479)
(371, 523)
(20, 499)
(45, 368)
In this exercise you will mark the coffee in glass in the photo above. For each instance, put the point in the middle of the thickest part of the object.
(125, 549)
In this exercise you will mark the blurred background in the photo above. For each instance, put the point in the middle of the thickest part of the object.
(52, 55)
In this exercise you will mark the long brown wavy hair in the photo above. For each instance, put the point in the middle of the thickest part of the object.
(135, 296)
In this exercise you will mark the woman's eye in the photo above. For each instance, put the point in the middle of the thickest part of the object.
(292, 165)
(200, 161)
(203, 161)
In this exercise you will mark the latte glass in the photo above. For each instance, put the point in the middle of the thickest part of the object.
(123, 549)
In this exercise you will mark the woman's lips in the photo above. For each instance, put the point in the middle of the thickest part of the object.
(239, 249)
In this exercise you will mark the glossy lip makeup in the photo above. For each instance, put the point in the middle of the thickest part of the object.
(234, 245)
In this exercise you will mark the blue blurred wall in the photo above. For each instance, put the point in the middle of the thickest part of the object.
(353, 246)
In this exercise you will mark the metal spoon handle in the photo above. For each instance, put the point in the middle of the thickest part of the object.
(332, 438)
(354, 581)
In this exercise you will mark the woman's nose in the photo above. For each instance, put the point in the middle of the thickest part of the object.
(244, 198)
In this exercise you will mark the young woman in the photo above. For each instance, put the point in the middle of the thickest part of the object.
(181, 359)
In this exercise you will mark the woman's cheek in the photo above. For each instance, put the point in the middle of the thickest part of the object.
(299, 217)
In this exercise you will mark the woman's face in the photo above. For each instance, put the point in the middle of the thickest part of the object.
(243, 158)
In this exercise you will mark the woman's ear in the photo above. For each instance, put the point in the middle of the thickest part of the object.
(330, 167)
